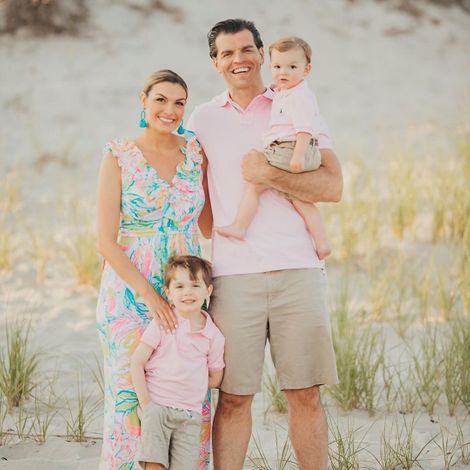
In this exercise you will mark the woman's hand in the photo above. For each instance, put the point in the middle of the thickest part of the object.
(160, 311)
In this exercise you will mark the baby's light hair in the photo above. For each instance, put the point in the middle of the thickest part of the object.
(193, 264)
(290, 43)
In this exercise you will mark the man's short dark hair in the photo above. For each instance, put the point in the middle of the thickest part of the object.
(232, 26)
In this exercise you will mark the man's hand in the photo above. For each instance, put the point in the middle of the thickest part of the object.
(255, 168)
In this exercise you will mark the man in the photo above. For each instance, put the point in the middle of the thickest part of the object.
(270, 285)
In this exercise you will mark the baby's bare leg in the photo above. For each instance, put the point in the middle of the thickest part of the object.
(245, 214)
(314, 223)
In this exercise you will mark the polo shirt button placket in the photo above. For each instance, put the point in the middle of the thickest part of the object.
(247, 118)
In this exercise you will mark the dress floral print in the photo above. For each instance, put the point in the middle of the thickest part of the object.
(157, 219)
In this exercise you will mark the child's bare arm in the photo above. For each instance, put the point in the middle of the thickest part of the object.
(138, 360)
(298, 156)
(215, 378)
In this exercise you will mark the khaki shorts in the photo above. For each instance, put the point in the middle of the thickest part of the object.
(279, 154)
(288, 308)
(169, 436)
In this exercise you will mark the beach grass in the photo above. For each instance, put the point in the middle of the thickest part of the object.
(41, 251)
(398, 448)
(399, 388)
(78, 242)
(448, 444)
(18, 364)
(463, 447)
(3, 422)
(80, 412)
(11, 195)
(359, 358)
(284, 460)
(23, 423)
(98, 374)
(344, 449)
(275, 398)
(427, 362)
(402, 201)
(6, 247)
(456, 364)
(82, 256)
(43, 416)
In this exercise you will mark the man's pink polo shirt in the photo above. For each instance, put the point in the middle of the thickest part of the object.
(177, 371)
(277, 238)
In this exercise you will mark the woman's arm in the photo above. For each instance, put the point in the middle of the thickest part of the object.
(205, 219)
(138, 360)
(322, 185)
(107, 225)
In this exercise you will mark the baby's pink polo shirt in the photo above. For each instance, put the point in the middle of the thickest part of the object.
(296, 110)
(177, 371)
(277, 238)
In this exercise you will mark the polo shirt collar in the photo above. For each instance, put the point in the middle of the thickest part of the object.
(299, 86)
(224, 97)
(206, 331)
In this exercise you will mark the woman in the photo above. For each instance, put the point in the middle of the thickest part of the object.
(150, 196)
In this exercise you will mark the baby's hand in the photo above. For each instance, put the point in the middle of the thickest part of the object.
(296, 166)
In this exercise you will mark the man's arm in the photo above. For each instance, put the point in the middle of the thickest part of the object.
(322, 185)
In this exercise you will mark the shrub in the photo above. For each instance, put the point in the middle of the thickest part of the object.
(44, 17)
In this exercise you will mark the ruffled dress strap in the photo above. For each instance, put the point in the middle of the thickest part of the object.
(121, 149)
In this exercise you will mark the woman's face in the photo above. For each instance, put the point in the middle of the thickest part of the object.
(164, 106)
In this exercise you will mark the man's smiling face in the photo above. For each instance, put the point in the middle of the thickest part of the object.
(238, 59)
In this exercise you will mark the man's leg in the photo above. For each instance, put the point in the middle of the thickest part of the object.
(232, 431)
(308, 429)
(302, 352)
(239, 309)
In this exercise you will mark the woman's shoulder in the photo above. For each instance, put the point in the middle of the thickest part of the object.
(124, 151)
(117, 147)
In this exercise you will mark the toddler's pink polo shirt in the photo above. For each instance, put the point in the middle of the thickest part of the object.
(277, 238)
(177, 371)
(296, 110)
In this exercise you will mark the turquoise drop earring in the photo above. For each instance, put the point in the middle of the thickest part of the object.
(180, 129)
(143, 122)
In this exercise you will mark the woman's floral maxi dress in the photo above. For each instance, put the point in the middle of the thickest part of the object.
(157, 219)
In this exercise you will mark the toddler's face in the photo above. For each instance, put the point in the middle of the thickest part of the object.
(187, 294)
(288, 68)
